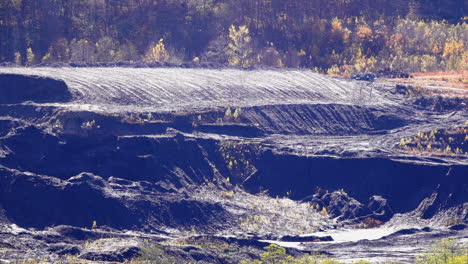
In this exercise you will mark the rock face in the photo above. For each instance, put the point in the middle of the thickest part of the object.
(38, 201)
(15, 88)
(339, 204)
(374, 187)
(227, 161)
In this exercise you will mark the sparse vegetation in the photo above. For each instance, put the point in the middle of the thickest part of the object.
(139, 118)
(275, 254)
(90, 125)
(267, 215)
(446, 251)
(238, 157)
(452, 141)
(153, 254)
(230, 115)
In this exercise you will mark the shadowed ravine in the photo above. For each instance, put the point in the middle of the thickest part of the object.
(260, 155)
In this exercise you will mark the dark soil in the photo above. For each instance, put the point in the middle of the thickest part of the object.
(16, 88)
(213, 165)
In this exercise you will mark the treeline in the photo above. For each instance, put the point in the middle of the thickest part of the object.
(336, 36)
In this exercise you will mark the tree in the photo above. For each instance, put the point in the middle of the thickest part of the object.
(30, 57)
(127, 52)
(82, 51)
(271, 57)
(58, 52)
(275, 254)
(157, 53)
(446, 251)
(239, 48)
(453, 53)
(338, 35)
(17, 58)
(217, 50)
(106, 49)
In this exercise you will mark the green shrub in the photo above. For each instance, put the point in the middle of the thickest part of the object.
(154, 254)
(275, 254)
(447, 251)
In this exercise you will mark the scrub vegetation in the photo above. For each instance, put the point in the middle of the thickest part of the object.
(446, 251)
(452, 141)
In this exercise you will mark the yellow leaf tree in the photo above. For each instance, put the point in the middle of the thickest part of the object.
(239, 48)
(454, 54)
(31, 58)
(158, 53)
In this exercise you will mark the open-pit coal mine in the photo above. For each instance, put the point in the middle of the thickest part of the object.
(102, 165)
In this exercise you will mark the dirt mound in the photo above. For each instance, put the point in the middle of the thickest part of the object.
(16, 88)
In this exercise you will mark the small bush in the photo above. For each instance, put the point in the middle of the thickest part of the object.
(154, 254)
(447, 251)
(275, 254)
(157, 53)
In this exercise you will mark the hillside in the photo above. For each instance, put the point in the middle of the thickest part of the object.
(212, 165)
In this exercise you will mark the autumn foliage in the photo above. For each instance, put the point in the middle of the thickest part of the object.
(334, 36)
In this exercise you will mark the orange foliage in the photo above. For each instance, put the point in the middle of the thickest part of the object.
(364, 32)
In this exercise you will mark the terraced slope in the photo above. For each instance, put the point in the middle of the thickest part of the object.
(188, 89)
(166, 152)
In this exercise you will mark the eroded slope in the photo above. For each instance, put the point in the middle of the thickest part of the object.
(169, 152)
